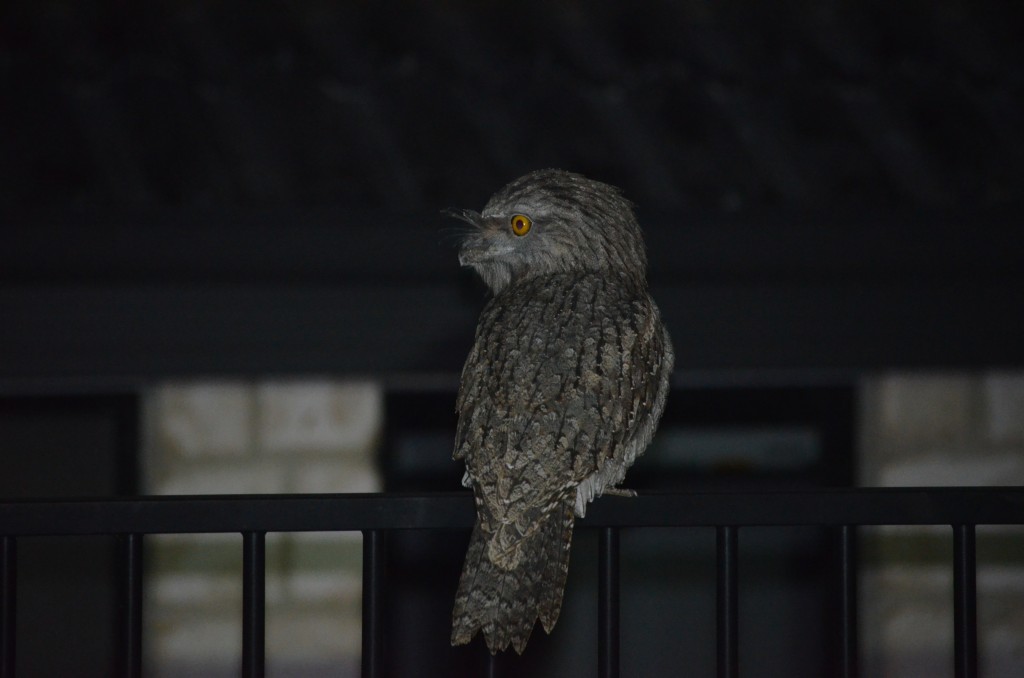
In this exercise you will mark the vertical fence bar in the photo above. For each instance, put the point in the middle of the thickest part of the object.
(253, 603)
(132, 607)
(848, 600)
(728, 602)
(373, 592)
(490, 663)
(8, 605)
(608, 604)
(965, 603)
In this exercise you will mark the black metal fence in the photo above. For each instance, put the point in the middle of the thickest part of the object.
(374, 514)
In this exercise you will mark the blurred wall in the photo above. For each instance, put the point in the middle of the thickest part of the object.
(257, 437)
(924, 429)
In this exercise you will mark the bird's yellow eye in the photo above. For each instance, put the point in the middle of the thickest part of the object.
(521, 224)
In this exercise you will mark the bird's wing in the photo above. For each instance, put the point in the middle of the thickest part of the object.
(557, 385)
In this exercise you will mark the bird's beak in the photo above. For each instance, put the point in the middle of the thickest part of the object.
(469, 216)
(475, 247)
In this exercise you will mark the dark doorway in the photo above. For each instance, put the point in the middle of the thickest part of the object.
(61, 447)
(710, 438)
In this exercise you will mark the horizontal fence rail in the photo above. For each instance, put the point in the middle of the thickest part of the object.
(374, 514)
(352, 512)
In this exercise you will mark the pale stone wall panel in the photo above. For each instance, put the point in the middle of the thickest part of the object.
(258, 438)
(940, 430)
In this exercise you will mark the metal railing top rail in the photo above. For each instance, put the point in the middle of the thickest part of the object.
(995, 505)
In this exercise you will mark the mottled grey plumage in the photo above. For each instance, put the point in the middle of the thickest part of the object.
(561, 392)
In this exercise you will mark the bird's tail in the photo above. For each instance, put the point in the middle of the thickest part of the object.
(506, 603)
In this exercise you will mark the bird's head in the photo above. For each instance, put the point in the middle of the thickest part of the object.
(552, 221)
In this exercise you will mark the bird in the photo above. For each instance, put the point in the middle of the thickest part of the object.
(561, 392)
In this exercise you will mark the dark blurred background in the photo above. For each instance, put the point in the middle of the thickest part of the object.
(240, 190)
(230, 187)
